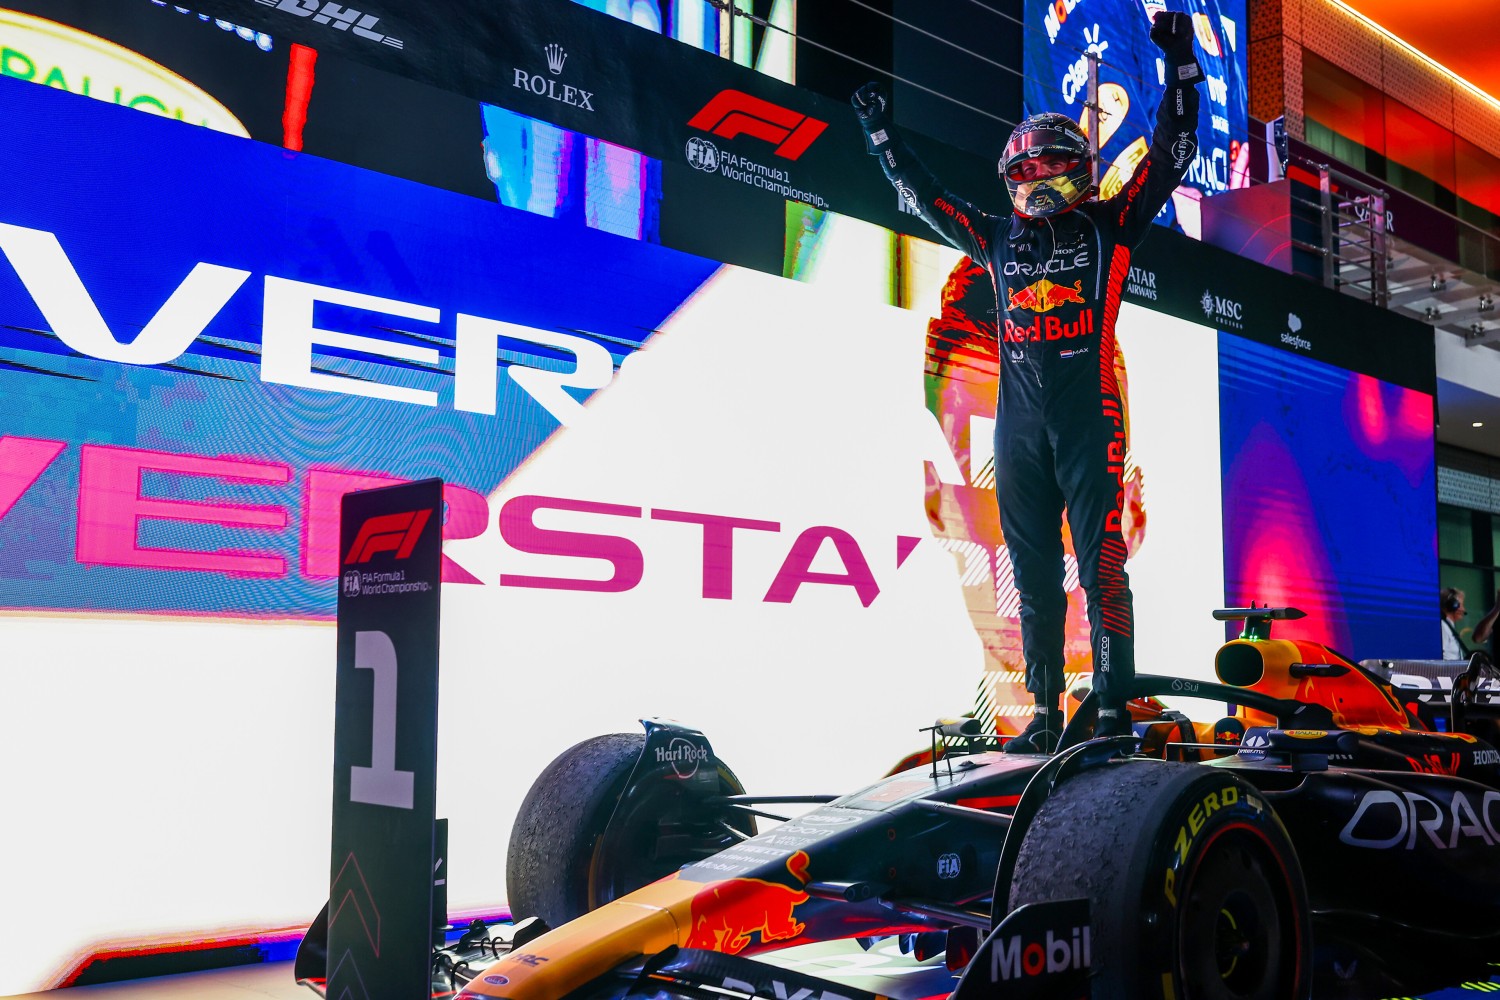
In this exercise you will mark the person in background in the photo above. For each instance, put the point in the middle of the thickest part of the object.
(1451, 607)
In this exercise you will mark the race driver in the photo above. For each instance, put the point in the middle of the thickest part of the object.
(1058, 264)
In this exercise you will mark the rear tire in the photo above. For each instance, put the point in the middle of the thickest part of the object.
(1194, 888)
(579, 841)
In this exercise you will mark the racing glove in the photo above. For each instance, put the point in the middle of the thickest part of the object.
(870, 105)
(1172, 32)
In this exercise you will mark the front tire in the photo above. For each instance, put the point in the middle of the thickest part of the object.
(1194, 888)
(580, 840)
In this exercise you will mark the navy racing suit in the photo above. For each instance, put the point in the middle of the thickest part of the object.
(1060, 432)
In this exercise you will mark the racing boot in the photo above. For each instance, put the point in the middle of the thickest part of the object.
(1040, 734)
(1113, 721)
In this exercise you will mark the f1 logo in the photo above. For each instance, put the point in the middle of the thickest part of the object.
(396, 533)
(734, 113)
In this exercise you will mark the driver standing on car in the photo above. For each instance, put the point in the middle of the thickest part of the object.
(1059, 264)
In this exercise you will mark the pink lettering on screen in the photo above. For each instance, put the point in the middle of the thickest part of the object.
(797, 569)
(718, 546)
(111, 509)
(22, 461)
(519, 530)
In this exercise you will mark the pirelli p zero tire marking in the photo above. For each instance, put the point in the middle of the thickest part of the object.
(579, 840)
(1194, 888)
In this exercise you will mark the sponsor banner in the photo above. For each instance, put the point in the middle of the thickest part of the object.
(380, 920)
(585, 71)
(1203, 284)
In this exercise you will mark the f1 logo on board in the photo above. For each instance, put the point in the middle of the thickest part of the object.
(396, 533)
(732, 113)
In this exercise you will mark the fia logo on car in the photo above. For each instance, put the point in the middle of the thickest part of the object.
(949, 866)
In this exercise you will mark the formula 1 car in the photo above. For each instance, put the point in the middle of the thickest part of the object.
(1320, 830)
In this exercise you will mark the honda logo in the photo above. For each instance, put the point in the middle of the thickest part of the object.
(733, 113)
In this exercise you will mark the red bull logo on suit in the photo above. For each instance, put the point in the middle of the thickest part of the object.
(1045, 295)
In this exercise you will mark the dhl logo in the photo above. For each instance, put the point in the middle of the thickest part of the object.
(1045, 295)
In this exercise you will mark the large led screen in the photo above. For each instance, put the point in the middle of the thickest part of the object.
(759, 504)
(1329, 499)
(1061, 35)
(664, 499)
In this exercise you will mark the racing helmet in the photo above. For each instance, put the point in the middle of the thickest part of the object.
(1039, 135)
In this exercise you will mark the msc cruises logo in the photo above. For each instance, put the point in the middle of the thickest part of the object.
(1224, 313)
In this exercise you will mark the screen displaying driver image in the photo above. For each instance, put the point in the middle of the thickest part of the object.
(673, 488)
(1060, 37)
(660, 501)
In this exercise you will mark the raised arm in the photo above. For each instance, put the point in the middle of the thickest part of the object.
(1486, 625)
(1174, 142)
(958, 222)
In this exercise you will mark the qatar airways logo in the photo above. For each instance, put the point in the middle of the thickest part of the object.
(290, 340)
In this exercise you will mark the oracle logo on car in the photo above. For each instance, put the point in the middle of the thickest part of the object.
(732, 113)
(396, 533)
(1017, 958)
(1386, 819)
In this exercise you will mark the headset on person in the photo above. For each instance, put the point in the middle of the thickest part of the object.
(1450, 600)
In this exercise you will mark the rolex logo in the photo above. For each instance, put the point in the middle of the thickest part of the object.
(556, 56)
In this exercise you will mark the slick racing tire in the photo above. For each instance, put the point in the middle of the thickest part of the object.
(1194, 888)
(579, 841)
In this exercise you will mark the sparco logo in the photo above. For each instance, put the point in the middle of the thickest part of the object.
(544, 86)
(1222, 311)
(336, 16)
(1386, 819)
(732, 113)
(683, 755)
(1013, 959)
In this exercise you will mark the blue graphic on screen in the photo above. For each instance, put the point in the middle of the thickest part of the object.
(101, 461)
(1060, 34)
(548, 170)
(1329, 487)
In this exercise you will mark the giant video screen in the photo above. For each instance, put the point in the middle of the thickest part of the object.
(1060, 35)
(760, 504)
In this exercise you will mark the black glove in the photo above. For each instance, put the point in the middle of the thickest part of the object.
(870, 103)
(1172, 32)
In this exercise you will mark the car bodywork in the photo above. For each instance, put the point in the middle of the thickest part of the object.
(1361, 786)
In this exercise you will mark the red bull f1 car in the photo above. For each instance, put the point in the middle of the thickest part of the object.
(1323, 837)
